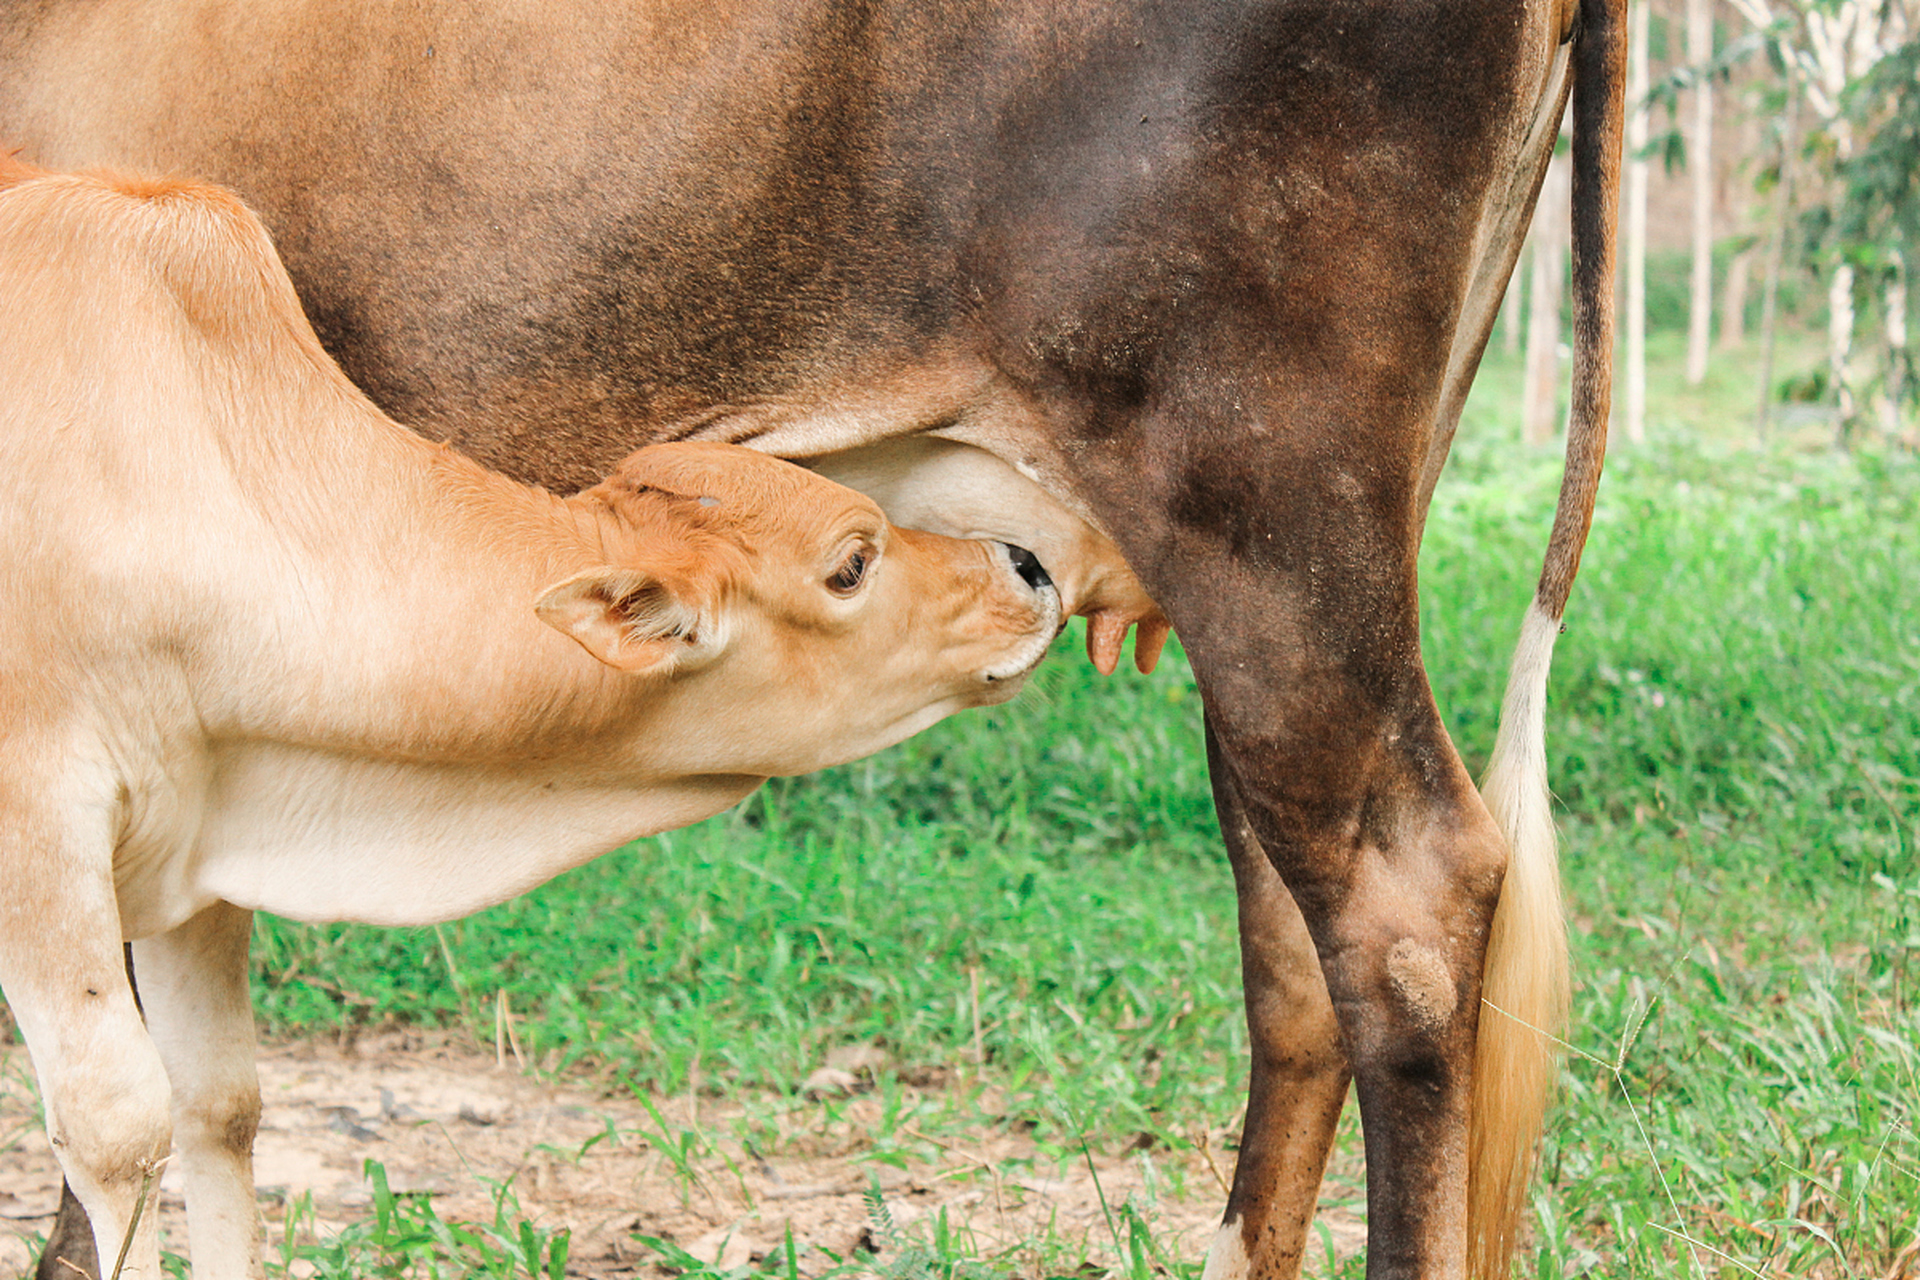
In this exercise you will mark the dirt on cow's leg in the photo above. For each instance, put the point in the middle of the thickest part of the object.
(69, 1253)
(1299, 1078)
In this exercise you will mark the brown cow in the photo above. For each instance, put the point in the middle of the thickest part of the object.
(263, 649)
(1213, 276)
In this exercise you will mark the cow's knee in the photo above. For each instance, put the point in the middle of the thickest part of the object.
(109, 1118)
(1422, 983)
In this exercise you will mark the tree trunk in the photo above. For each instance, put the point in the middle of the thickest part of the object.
(1733, 307)
(1700, 163)
(1540, 396)
(1776, 251)
(1894, 407)
(1511, 308)
(1636, 245)
(1840, 349)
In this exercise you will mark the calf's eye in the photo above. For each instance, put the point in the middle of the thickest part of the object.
(853, 570)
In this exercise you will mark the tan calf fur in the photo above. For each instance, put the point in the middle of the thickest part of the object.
(261, 648)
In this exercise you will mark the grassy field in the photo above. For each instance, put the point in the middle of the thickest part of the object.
(1038, 892)
(1736, 741)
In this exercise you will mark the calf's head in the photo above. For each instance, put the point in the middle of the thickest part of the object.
(800, 625)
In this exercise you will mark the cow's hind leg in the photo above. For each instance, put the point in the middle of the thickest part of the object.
(1396, 867)
(200, 1015)
(1296, 599)
(101, 1080)
(1299, 1078)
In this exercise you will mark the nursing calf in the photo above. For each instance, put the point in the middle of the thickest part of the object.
(263, 649)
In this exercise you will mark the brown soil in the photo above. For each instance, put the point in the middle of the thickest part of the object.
(454, 1123)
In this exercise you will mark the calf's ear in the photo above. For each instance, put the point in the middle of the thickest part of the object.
(631, 620)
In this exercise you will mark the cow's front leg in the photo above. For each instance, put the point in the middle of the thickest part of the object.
(1298, 1081)
(193, 982)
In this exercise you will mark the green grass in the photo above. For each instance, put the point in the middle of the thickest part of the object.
(865, 906)
(406, 1237)
(1735, 738)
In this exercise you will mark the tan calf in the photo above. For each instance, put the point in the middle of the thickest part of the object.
(263, 649)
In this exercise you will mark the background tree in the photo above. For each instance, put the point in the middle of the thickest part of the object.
(1873, 225)
(1836, 44)
(1700, 167)
(1638, 35)
(1547, 240)
(1799, 185)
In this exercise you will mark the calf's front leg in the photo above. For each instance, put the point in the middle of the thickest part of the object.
(64, 973)
(193, 981)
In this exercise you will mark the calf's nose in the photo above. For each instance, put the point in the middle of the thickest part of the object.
(1028, 566)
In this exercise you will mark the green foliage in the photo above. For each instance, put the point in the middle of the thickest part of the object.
(1733, 735)
(406, 1239)
(1875, 224)
(1666, 46)
(1712, 663)
(1880, 201)
(1668, 290)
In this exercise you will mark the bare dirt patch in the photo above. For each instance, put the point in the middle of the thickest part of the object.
(725, 1180)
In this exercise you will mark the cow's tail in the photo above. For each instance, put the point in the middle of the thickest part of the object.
(1525, 984)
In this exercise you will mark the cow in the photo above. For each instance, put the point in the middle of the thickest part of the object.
(265, 649)
(1212, 277)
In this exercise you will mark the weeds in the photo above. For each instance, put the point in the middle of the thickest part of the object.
(405, 1239)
